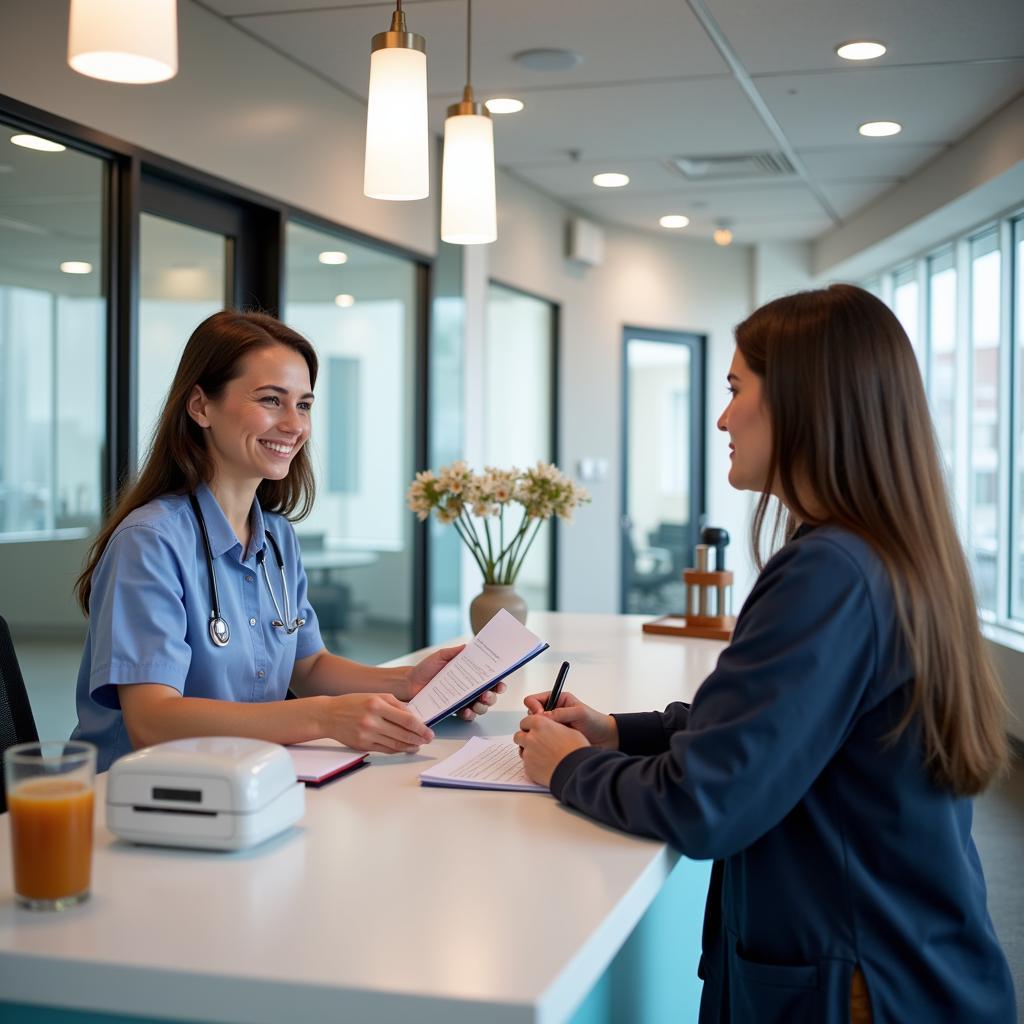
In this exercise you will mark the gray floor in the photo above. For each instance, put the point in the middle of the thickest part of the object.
(999, 836)
(50, 672)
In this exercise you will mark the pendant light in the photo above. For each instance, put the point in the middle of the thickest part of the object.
(468, 214)
(397, 140)
(127, 41)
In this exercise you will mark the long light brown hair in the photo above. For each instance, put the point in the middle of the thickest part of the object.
(178, 460)
(850, 420)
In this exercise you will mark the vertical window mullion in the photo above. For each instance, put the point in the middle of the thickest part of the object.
(1005, 403)
(962, 404)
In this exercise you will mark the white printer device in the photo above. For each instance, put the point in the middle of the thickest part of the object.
(213, 792)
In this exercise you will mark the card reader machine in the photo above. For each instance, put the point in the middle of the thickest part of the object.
(213, 792)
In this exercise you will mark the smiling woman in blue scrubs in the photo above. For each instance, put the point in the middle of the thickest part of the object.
(827, 764)
(199, 621)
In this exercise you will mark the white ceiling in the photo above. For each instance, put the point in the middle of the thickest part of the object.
(653, 85)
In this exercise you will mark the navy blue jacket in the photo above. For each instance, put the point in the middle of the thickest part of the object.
(831, 849)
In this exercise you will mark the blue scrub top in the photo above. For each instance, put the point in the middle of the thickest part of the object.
(150, 611)
(833, 848)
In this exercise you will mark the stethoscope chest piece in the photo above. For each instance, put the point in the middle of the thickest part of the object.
(219, 632)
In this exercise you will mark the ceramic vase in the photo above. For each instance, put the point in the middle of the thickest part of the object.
(490, 600)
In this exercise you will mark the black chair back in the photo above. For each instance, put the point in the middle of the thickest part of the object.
(16, 722)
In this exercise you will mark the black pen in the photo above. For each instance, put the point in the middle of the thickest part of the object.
(556, 690)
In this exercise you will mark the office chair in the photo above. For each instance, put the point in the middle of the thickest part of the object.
(16, 722)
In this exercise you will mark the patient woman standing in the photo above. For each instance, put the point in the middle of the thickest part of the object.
(828, 762)
(199, 621)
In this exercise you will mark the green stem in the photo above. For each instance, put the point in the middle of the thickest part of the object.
(513, 546)
(490, 550)
(526, 548)
(460, 530)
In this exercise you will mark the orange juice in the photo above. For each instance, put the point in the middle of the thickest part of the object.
(51, 835)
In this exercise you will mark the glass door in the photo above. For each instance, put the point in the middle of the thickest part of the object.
(199, 252)
(663, 470)
(520, 362)
(184, 277)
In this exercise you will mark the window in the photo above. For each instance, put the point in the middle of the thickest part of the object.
(942, 325)
(969, 336)
(904, 304)
(53, 321)
(358, 307)
(983, 513)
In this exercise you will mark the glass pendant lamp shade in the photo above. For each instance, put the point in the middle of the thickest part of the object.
(397, 139)
(127, 41)
(468, 215)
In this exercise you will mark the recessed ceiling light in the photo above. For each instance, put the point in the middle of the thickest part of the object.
(76, 267)
(674, 220)
(344, 300)
(611, 179)
(333, 258)
(860, 49)
(548, 59)
(35, 142)
(879, 129)
(504, 105)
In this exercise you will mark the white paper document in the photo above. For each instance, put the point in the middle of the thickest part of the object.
(502, 646)
(483, 763)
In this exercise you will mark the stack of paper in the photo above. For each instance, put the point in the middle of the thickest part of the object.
(492, 763)
(502, 646)
(317, 761)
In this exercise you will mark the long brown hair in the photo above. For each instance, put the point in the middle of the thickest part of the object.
(178, 460)
(850, 419)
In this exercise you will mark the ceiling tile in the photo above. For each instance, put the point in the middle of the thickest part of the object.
(797, 35)
(848, 197)
(619, 122)
(616, 41)
(934, 104)
(738, 205)
(895, 160)
(234, 8)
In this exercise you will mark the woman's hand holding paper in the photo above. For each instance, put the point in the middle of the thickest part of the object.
(421, 674)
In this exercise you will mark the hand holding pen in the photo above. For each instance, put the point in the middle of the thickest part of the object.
(564, 708)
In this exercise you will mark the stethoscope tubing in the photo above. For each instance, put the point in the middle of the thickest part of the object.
(220, 632)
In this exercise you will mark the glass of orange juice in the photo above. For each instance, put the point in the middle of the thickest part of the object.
(50, 800)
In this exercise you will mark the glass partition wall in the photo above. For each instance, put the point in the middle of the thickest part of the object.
(53, 327)
(358, 306)
(183, 279)
(518, 411)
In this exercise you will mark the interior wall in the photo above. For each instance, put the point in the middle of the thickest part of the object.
(644, 281)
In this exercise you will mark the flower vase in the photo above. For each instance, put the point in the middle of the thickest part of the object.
(492, 599)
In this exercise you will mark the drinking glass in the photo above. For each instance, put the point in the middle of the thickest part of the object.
(50, 800)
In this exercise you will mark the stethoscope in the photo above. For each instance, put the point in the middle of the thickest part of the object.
(220, 634)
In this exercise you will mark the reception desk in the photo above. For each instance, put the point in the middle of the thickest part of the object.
(395, 903)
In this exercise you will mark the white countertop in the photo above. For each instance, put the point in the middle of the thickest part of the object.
(389, 901)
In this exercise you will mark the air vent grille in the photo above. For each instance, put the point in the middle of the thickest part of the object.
(733, 165)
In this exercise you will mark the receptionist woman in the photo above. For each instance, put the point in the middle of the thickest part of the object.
(827, 764)
(199, 621)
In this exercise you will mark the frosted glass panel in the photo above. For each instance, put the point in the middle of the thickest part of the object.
(359, 313)
(182, 281)
(518, 354)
